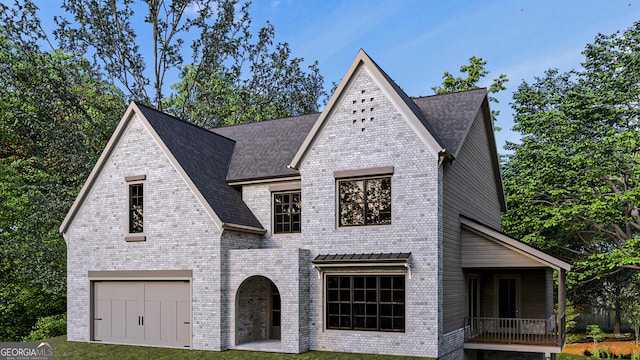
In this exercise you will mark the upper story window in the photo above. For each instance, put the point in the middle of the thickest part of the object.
(135, 226)
(287, 208)
(364, 201)
(136, 214)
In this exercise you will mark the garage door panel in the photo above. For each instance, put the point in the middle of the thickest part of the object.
(168, 320)
(102, 319)
(152, 320)
(183, 316)
(146, 313)
(118, 319)
(132, 329)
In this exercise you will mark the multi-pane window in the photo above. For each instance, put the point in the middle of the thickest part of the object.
(365, 201)
(136, 216)
(371, 302)
(286, 212)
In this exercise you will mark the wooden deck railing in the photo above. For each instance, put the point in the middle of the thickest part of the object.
(515, 330)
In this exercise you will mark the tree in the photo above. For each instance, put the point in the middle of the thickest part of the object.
(228, 79)
(572, 183)
(56, 115)
(594, 332)
(632, 316)
(475, 71)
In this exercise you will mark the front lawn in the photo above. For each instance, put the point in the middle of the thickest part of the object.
(86, 351)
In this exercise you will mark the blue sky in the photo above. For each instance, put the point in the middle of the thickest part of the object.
(415, 41)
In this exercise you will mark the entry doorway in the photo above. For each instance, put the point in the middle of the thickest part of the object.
(275, 312)
(508, 296)
(507, 300)
(258, 311)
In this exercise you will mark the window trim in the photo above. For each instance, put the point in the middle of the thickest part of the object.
(363, 272)
(135, 236)
(273, 211)
(368, 172)
(362, 178)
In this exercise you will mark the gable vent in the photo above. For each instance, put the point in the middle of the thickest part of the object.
(362, 108)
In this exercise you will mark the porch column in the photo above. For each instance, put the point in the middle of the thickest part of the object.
(562, 297)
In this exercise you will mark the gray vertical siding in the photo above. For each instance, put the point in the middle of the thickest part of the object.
(469, 189)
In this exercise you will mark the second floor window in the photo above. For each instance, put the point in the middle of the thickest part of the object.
(136, 216)
(364, 201)
(286, 212)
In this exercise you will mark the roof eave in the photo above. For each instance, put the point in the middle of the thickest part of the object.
(243, 228)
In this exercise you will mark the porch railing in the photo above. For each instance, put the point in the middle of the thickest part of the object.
(515, 330)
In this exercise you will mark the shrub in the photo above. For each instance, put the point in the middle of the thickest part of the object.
(635, 355)
(48, 327)
(594, 332)
(605, 353)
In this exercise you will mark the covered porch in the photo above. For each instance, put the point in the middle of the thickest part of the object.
(512, 293)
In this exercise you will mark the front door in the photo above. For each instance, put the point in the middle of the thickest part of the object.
(275, 313)
(508, 300)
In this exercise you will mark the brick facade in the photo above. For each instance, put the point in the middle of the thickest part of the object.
(233, 271)
(190, 241)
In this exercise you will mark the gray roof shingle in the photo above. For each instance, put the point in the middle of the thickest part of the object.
(450, 115)
(411, 104)
(264, 149)
(205, 157)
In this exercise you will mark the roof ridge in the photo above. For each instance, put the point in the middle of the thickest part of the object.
(449, 93)
(180, 120)
(265, 121)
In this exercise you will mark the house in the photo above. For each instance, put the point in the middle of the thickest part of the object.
(372, 227)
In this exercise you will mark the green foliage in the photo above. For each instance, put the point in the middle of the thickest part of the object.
(59, 106)
(631, 314)
(230, 77)
(48, 327)
(570, 316)
(572, 184)
(56, 114)
(474, 71)
(595, 333)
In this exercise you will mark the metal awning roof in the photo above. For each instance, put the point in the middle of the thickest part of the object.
(362, 258)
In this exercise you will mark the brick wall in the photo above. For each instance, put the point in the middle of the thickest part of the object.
(180, 235)
(250, 273)
(364, 131)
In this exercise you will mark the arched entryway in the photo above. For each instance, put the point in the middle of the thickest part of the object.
(258, 312)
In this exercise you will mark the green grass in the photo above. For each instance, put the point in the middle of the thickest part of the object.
(572, 357)
(63, 349)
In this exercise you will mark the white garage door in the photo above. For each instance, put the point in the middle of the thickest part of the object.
(142, 313)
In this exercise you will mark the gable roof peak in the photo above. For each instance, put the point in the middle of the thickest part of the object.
(403, 102)
(200, 156)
